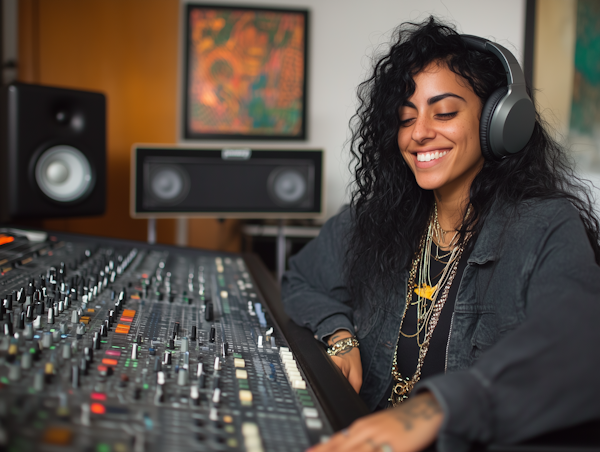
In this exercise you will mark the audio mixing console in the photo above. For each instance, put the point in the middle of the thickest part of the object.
(121, 346)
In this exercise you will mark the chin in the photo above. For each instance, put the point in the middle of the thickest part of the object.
(428, 183)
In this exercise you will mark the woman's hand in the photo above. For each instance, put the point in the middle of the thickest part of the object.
(348, 360)
(410, 427)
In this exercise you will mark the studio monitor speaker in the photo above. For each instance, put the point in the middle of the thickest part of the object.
(227, 183)
(52, 152)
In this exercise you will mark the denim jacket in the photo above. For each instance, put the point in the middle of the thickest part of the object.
(522, 354)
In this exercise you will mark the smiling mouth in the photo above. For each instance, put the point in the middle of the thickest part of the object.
(429, 156)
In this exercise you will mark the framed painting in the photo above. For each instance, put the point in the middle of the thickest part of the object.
(566, 75)
(245, 73)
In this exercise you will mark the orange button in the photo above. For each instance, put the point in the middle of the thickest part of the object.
(122, 329)
(98, 408)
(85, 319)
(128, 313)
(110, 362)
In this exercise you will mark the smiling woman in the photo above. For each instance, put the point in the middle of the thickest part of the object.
(439, 137)
(455, 292)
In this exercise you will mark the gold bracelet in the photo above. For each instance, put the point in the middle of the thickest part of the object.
(342, 345)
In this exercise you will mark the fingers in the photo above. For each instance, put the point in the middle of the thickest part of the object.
(355, 379)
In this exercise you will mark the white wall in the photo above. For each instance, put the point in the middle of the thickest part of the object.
(343, 35)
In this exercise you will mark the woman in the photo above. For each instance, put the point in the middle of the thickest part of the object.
(466, 281)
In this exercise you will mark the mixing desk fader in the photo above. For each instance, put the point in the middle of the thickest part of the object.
(118, 346)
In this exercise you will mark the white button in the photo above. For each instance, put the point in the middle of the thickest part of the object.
(249, 429)
(310, 412)
(314, 424)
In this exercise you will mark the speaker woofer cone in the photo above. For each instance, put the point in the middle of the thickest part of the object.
(287, 186)
(64, 174)
(168, 185)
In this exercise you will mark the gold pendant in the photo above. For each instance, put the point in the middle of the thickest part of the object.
(401, 390)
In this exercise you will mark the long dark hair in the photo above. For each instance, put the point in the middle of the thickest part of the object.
(390, 210)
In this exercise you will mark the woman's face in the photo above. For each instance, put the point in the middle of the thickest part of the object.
(439, 131)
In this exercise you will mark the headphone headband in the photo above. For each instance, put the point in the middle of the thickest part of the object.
(514, 74)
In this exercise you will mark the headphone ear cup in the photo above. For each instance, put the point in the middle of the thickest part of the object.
(486, 122)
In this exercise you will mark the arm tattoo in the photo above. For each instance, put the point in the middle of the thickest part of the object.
(418, 408)
(333, 339)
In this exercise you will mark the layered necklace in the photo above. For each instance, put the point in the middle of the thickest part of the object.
(429, 299)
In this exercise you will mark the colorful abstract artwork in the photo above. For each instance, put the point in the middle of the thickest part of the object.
(246, 73)
(585, 109)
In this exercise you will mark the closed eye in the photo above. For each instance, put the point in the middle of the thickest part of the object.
(445, 116)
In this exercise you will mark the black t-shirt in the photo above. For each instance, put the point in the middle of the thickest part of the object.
(408, 349)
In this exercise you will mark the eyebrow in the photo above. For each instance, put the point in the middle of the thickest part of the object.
(434, 99)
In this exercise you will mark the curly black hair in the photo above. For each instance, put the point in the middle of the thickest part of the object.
(390, 210)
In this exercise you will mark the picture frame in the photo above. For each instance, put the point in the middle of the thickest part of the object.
(245, 73)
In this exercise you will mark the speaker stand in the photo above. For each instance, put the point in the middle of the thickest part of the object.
(280, 250)
(151, 231)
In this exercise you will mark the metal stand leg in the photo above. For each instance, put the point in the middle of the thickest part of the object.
(280, 251)
(151, 231)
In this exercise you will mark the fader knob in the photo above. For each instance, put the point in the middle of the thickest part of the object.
(75, 377)
(167, 359)
(184, 345)
(182, 377)
(14, 372)
(193, 335)
(26, 360)
(38, 381)
(47, 340)
(208, 313)
(134, 352)
(28, 333)
(74, 317)
(66, 351)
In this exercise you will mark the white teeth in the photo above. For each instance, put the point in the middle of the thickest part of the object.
(428, 156)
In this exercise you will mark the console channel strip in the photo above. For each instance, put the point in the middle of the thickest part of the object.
(112, 347)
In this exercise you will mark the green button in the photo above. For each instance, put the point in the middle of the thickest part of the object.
(115, 346)
(4, 380)
(237, 355)
(52, 347)
(145, 386)
(104, 342)
(306, 397)
(305, 403)
(102, 447)
(135, 364)
(301, 391)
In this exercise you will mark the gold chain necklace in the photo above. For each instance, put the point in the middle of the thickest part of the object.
(402, 386)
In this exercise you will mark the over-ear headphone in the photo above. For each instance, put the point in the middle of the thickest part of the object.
(508, 116)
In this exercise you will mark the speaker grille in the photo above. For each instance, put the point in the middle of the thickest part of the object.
(64, 174)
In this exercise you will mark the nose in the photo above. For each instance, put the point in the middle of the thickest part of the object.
(422, 129)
